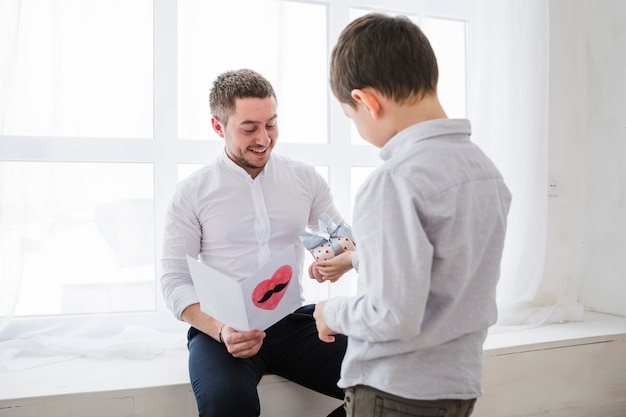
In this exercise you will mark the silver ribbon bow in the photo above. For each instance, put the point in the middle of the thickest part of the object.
(327, 231)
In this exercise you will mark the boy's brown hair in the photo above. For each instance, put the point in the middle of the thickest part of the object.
(231, 85)
(389, 54)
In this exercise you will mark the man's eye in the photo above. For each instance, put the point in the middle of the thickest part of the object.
(272, 126)
(250, 130)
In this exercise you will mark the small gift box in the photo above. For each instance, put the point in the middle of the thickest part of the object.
(330, 241)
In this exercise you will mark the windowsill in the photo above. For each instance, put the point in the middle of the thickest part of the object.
(595, 327)
(170, 369)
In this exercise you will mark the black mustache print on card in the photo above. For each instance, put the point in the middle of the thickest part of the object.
(276, 290)
(268, 293)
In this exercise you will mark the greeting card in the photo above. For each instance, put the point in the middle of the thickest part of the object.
(261, 300)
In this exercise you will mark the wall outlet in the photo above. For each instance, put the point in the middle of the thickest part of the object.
(554, 186)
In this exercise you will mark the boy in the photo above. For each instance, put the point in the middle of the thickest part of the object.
(430, 222)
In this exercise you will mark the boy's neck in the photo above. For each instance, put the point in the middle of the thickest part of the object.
(410, 113)
(391, 117)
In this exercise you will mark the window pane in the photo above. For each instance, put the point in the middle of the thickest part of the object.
(448, 39)
(82, 236)
(284, 41)
(76, 68)
(357, 177)
(312, 290)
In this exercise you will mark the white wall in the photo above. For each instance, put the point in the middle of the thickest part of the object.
(586, 254)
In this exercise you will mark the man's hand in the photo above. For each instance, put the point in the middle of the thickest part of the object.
(238, 344)
(314, 273)
(324, 332)
(242, 344)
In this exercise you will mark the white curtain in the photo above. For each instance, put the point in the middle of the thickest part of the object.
(509, 110)
(10, 242)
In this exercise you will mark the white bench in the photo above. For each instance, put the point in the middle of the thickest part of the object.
(569, 370)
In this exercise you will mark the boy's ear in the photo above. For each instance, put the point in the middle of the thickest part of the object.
(370, 99)
(217, 126)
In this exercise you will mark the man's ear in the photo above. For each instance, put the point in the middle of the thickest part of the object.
(370, 99)
(217, 126)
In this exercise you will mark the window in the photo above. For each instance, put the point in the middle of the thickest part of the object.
(285, 41)
(98, 125)
(65, 73)
(83, 234)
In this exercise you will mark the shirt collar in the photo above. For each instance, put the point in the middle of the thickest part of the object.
(236, 169)
(422, 131)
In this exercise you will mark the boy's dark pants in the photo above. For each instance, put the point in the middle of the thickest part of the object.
(364, 401)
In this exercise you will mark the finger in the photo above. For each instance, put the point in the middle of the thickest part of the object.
(326, 337)
(243, 339)
(246, 353)
(328, 272)
(331, 278)
(245, 349)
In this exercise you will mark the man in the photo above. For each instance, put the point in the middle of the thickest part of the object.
(430, 222)
(235, 214)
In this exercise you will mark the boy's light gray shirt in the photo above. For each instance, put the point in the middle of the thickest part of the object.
(430, 224)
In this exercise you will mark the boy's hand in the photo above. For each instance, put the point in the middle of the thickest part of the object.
(331, 269)
(324, 332)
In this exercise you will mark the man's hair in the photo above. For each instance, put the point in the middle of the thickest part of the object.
(231, 85)
(389, 54)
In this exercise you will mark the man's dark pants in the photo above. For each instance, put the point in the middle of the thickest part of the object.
(226, 386)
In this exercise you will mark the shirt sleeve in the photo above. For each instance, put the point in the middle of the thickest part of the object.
(181, 237)
(355, 261)
(395, 260)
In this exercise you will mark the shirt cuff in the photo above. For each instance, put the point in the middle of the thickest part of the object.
(331, 313)
(183, 302)
(355, 261)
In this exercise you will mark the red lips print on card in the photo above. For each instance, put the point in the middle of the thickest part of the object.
(268, 293)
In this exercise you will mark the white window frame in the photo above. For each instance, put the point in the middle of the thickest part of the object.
(166, 151)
